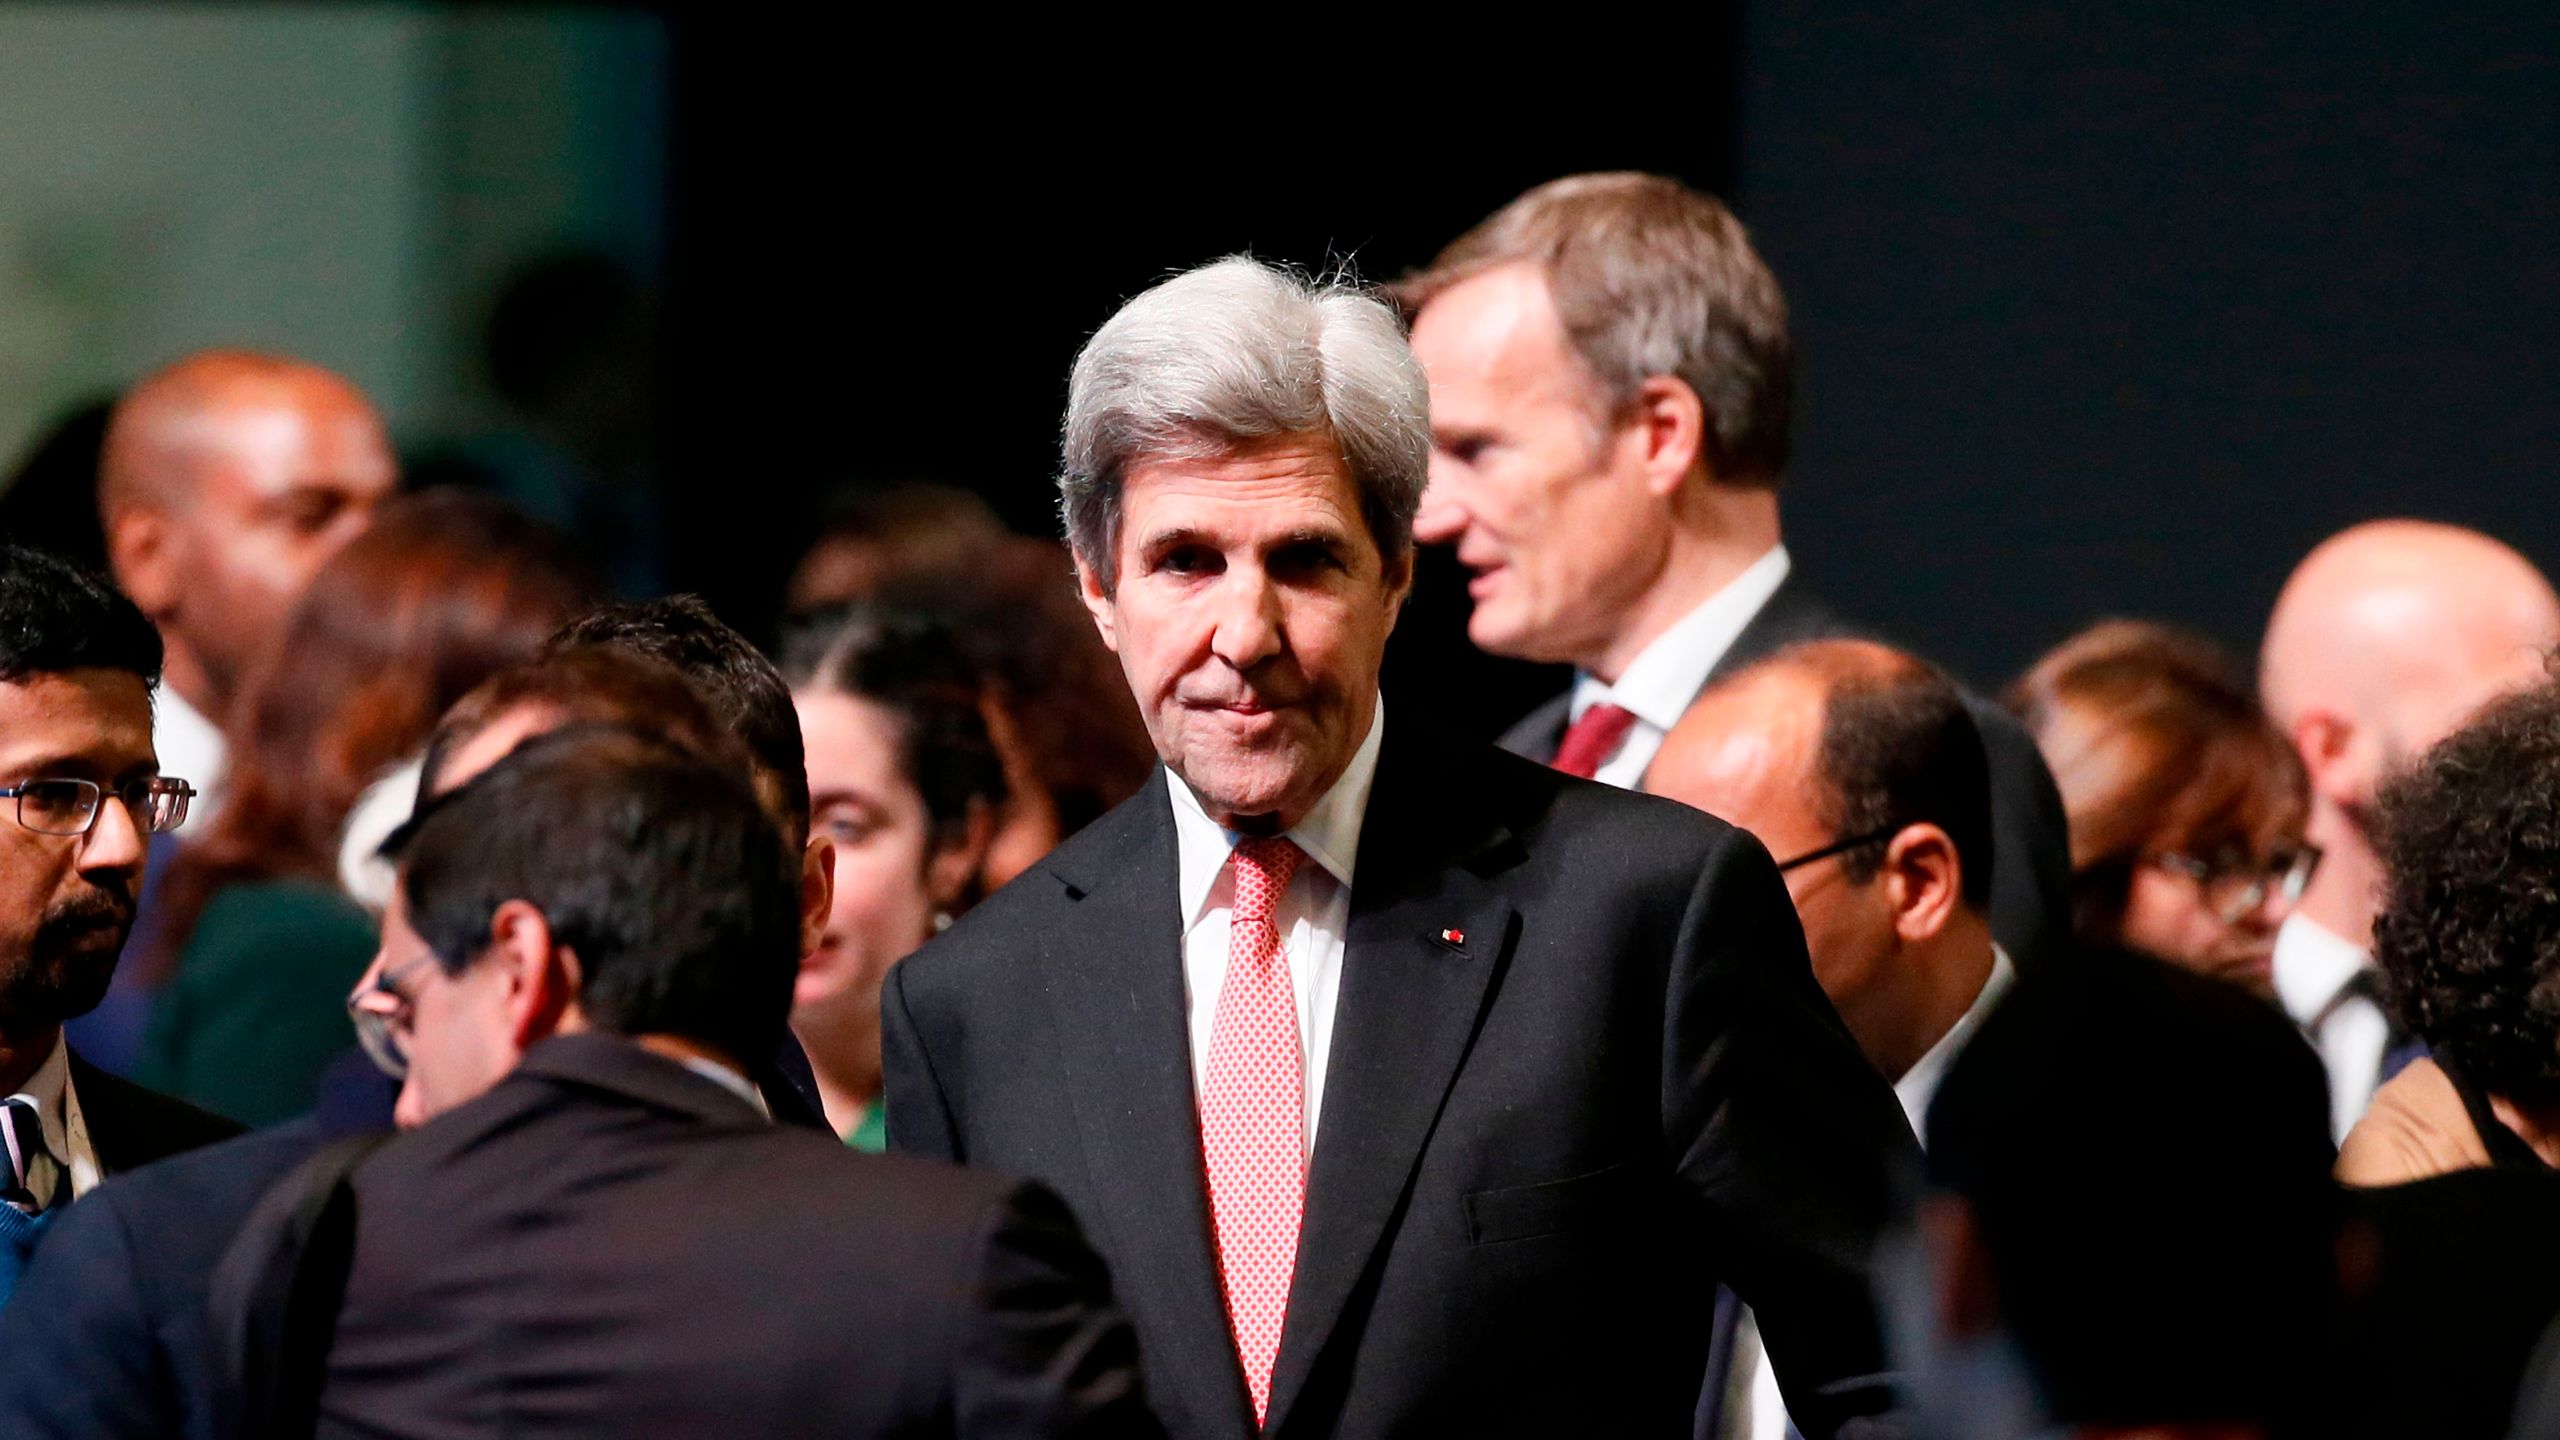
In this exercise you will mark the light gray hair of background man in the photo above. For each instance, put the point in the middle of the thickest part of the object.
(1239, 351)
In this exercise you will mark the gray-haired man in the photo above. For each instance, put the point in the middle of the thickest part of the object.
(1410, 1087)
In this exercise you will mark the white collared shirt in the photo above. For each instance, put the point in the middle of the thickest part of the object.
(1920, 1083)
(2313, 966)
(190, 748)
(1767, 1417)
(1661, 681)
(66, 1130)
(1312, 915)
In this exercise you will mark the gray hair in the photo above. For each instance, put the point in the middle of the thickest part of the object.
(1231, 353)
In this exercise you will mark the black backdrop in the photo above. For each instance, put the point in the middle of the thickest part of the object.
(2099, 312)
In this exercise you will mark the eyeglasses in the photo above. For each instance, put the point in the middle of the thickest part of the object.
(2233, 886)
(70, 807)
(1840, 847)
(380, 1011)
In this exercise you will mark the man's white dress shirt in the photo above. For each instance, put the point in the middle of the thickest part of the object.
(1667, 674)
(66, 1131)
(190, 748)
(1311, 916)
(1768, 1417)
(2313, 968)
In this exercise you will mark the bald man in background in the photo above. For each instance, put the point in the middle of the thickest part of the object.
(1860, 767)
(226, 479)
(2386, 638)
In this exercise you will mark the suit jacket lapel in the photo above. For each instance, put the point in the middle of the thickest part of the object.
(1113, 971)
(1410, 1003)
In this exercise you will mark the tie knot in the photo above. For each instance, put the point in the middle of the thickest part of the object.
(1593, 738)
(22, 1130)
(1263, 869)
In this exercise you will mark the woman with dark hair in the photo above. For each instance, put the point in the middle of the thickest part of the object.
(441, 591)
(905, 783)
(2186, 805)
(2469, 945)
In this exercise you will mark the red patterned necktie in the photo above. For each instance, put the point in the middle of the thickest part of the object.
(1592, 739)
(1253, 1116)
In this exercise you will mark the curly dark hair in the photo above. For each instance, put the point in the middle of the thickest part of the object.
(2469, 934)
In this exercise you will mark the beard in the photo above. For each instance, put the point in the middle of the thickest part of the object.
(70, 959)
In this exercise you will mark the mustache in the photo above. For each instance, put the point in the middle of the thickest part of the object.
(96, 908)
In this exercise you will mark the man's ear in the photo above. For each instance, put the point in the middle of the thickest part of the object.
(142, 551)
(1097, 602)
(1671, 426)
(1924, 881)
(1398, 573)
(817, 891)
(2340, 770)
(541, 977)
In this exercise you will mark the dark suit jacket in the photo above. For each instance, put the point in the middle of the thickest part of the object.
(2031, 839)
(130, 1126)
(1539, 1147)
(105, 1339)
(608, 1244)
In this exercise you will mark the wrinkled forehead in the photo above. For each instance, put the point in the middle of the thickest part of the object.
(83, 724)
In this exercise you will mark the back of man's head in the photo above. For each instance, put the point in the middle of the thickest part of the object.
(1898, 748)
(743, 689)
(1649, 278)
(56, 617)
(656, 868)
(2141, 1157)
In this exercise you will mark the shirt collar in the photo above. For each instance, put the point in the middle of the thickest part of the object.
(2312, 967)
(1330, 833)
(50, 1088)
(1670, 672)
(1920, 1083)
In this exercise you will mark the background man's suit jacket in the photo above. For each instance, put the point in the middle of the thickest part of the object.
(105, 1339)
(609, 1244)
(2031, 837)
(130, 1126)
(1540, 1146)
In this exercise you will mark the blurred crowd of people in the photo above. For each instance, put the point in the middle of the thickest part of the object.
(2162, 1045)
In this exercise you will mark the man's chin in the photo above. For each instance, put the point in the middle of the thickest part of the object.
(66, 981)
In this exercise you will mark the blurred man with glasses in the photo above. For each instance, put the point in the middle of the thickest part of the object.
(1861, 769)
(80, 795)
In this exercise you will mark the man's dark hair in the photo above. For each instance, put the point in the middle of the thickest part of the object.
(2145, 1156)
(659, 869)
(2469, 934)
(911, 666)
(743, 689)
(56, 617)
(1898, 748)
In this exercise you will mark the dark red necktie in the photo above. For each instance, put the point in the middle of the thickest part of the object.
(1593, 738)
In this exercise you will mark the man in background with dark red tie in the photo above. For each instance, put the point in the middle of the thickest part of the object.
(1612, 387)
(1409, 1087)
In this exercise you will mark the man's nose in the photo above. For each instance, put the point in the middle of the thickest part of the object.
(1249, 627)
(1441, 517)
(114, 841)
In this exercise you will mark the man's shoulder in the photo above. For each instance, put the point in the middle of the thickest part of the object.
(189, 1205)
(996, 929)
(132, 1126)
(1542, 804)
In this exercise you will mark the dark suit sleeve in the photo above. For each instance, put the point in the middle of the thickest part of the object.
(1792, 1141)
(80, 1351)
(1047, 1354)
(919, 1118)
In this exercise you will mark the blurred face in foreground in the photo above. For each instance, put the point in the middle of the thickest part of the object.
(1250, 611)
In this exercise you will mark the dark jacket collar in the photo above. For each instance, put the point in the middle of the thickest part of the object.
(625, 1068)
